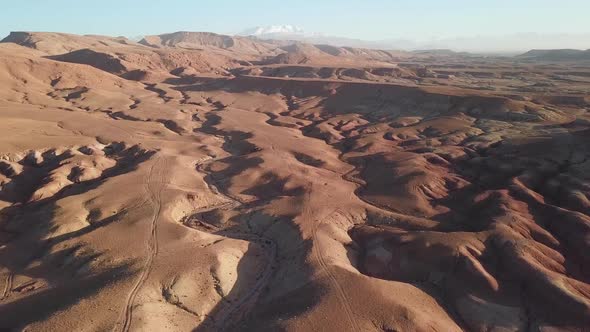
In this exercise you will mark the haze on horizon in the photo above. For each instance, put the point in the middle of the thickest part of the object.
(458, 24)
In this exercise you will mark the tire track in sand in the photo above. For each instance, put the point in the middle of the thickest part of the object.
(154, 189)
(321, 260)
(7, 286)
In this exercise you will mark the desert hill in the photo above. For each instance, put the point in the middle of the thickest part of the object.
(120, 56)
(58, 43)
(198, 40)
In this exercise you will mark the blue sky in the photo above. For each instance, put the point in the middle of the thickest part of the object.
(366, 19)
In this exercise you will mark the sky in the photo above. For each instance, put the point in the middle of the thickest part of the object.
(366, 19)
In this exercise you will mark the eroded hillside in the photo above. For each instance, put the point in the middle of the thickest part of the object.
(213, 183)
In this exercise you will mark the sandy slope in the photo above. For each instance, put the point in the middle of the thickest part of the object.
(196, 186)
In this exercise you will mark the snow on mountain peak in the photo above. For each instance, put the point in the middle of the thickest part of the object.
(273, 30)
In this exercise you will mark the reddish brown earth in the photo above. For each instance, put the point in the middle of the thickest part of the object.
(195, 181)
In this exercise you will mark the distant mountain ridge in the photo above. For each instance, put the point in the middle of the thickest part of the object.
(294, 33)
(280, 50)
(274, 51)
(511, 44)
(557, 55)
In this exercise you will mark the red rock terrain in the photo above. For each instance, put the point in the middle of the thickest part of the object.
(195, 181)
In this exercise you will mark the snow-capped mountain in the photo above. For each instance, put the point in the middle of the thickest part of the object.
(272, 30)
(508, 44)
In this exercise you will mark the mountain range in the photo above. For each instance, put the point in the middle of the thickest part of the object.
(508, 44)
